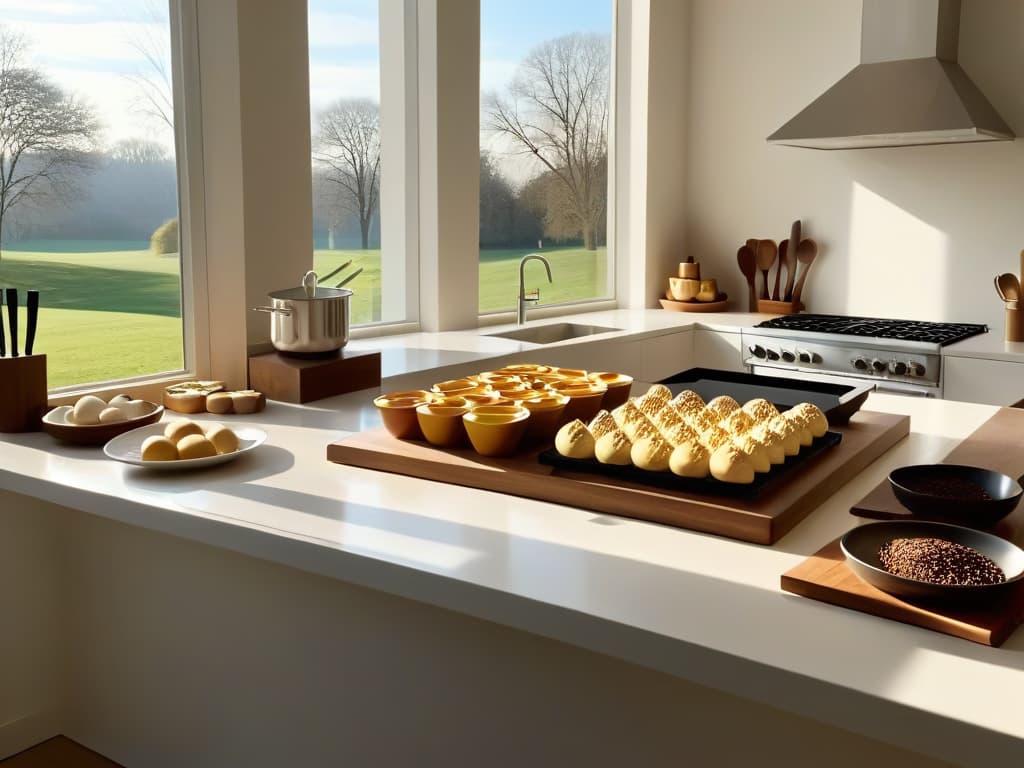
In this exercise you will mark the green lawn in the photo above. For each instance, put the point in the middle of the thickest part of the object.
(113, 310)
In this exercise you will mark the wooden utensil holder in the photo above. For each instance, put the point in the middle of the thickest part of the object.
(767, 307)
(1014, 325)
(23, 394)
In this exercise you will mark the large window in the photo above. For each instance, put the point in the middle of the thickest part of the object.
(545, 106)
(344, 74)
(88, 190)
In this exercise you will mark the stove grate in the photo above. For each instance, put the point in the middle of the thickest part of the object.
(906, 330)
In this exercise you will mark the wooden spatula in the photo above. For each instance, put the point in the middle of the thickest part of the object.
(767, 252)
(747, 260)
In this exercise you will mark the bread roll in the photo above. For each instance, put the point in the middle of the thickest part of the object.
(651, 454)
(723, 405)
(729, 464)
(814, 418)
(602, 424)
(575, 441)
(223, 439)
(626, 412)
(788, 432)
(159, 448)
(760, 409)
(772, 442)
(690, 459)
(181, 428)
(668, 417)
(247, 401)
(688, 400)
(639, 428)
(195, 447)
(680, 433)
(714, 437)
(754, 450)
(613, 448)
(654, 399)
(737, 423)
(806, 438)
(702, 420)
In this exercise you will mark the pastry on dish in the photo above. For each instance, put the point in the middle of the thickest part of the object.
(613, 448)
(737, 423)
(639, 428)
(723, 405)
(651, 453)
(688, 400)
(754, 450)
(223, 438)
(195, 447)
(159, 448)
(626, 412)
(602, 424)
(730, 465)
(788, 431)
(575, 441)
(702, 420)
(771, 441)
(760, 409)
(813, 416)
(654, 399)
(177, 430)
(680, 433)
(690, 459)
(713, 437)
(806, 438)
(667, 417)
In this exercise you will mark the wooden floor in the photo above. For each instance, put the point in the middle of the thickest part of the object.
(58, 752)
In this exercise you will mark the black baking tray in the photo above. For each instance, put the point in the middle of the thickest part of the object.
(838, 401)
(708, 486)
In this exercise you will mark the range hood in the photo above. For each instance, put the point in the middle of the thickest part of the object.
(907, 90)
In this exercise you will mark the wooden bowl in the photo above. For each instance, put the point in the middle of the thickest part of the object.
(55, 423)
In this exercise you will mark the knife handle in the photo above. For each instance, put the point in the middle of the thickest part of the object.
(33, 317)
(11, 294)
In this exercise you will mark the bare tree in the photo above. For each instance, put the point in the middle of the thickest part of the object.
(347, 149)
(556, 110)
(136, 151)
(45, 134)
(154, 95)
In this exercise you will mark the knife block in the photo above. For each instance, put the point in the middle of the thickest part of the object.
(23, 394)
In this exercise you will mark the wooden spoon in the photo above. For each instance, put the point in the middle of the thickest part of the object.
(794, 237)
(767, 252)
(806, 253)
(1009, 285)
(783, 248)
(748, 266)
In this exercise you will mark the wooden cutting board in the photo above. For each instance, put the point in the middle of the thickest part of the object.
(762, 519)
(996, 444)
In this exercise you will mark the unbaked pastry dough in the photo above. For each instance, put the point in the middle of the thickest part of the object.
(575, 441)
(613, 448)
(690, 459)
(730, 465)
(651, 453)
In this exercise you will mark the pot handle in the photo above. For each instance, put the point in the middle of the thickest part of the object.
(271, 310)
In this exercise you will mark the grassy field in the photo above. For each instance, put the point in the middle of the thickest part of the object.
(113, 310)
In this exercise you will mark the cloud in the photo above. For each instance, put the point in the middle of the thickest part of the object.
(341, 30)
(495, 74)
(328, 82)
(96, 45)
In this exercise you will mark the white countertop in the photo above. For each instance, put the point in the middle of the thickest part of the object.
(698, 606)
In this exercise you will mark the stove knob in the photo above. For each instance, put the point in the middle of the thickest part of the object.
(757, 350)
(878, 365)
(789, 356)
(917, 369)
(772, 354)
(898, 367)
(815, 357)
(804, 355)
(861, 364)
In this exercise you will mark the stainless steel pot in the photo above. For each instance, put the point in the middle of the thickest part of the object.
(308, 319)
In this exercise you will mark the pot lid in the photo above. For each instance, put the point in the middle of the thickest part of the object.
(300, 294)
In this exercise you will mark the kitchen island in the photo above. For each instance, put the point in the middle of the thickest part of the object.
(284, 610)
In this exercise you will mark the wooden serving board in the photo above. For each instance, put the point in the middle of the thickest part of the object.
(762, 519)
(824, 576)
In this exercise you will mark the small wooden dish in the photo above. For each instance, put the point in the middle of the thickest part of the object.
(55, 424)
(695, 306)
(766, 307)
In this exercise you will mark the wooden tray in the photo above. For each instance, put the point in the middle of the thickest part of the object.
(762, 520)
(824, 576)
(694, 306)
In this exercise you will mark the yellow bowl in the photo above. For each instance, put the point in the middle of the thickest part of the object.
(518, 392)
(474, 399)
(496, 430)
(585, 398)
(526, 369)
(619, 385)
(454, 401)
(545, 416)
(455, 386)
(498, 379)
(571, 373)
(442, 424)
(398, 412)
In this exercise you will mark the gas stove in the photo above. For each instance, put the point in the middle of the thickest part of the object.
(898, 355)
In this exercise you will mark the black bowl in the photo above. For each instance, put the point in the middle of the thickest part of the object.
(952, 493)
(862, 544)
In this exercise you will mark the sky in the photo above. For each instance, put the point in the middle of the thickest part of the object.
(91, 47)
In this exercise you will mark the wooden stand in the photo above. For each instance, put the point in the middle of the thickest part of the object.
(301, 380)
(1014, 325)
(23, 395)
(766, 307)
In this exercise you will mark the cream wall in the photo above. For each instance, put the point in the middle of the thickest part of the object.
(915, 232)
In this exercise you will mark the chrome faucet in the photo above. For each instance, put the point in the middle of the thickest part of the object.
(523, 298)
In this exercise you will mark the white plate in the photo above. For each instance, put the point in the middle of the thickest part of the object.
(128, 448)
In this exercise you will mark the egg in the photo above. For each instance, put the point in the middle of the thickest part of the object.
(133, 409)
(87, 410)
(119, 400)
(111, 414)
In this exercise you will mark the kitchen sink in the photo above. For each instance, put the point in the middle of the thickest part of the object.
(549, 334)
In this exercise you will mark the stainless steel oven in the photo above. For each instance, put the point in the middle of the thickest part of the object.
(897, 356)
